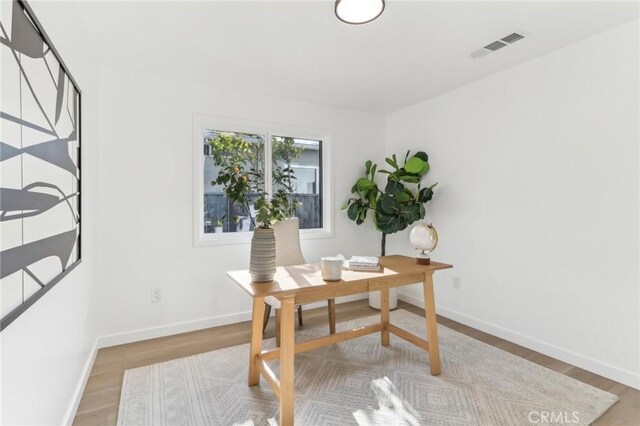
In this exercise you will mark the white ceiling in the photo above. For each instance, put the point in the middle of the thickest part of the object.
(299, 50)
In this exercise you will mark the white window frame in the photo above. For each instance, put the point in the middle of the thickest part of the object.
(203, 122)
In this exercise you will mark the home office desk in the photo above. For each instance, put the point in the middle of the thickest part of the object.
(301, 284)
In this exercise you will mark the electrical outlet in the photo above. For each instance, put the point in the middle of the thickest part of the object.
(456, 283)
(155, 295)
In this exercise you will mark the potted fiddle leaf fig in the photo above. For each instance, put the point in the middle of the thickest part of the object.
(401, 201)
(396, 205)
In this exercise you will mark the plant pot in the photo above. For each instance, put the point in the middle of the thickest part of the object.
(374, 299)
(218, 229)
(262, 264)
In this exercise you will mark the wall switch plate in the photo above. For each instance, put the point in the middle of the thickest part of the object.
(155, 295)
(456, 283)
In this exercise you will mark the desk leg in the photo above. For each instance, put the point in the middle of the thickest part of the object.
(331, 307)
(432, 328)
(287, 358)
(384, 316)
(256, 340)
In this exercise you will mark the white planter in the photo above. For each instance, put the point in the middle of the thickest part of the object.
(374, 299)
(217, 229)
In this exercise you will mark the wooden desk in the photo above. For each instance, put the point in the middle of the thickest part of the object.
(303, 284)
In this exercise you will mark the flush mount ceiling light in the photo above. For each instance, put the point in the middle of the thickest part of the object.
(358, 11)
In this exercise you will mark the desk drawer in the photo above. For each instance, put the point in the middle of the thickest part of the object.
(396, 281)
(315, 294)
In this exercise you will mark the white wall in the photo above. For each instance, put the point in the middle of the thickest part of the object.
(146, 190)
(537, 205)
(45, 352)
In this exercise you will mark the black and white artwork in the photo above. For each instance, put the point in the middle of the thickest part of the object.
(39, 163)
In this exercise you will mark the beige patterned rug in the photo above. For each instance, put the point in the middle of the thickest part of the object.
(361, 382)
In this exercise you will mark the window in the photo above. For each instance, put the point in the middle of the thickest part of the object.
(245, 152)
(296, 170)
(284, 161)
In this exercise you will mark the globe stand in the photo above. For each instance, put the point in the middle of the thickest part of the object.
(423, 259)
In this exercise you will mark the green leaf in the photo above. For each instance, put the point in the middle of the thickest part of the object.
(389, 224)
(415, 165)
(393, 187)
(361, 216)
(422, 155)
(410, 179)
(364, 184)
(353, 211)
(392, 163)
(407, 155)
(373, 171)
(346, 204)
(403, 197)
(411, 212)
(367, 167)
(425, 169)
(383, 220)
(386, 172)
(387, 204)
(373, 195)
(425, 195)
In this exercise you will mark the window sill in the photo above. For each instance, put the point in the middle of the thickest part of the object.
(233, 238)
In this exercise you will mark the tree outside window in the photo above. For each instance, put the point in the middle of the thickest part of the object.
(236, 161)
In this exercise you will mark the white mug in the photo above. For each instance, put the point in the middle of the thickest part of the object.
(331, 268)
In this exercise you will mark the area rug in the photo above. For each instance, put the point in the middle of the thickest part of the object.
(361, 382)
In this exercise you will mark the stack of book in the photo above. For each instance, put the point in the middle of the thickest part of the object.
(364, 263)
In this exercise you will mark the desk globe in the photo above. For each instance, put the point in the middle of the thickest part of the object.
(424, 237)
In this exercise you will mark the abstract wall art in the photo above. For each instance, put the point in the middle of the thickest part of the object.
(39, 163)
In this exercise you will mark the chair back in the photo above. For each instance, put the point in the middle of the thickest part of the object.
(288, 250)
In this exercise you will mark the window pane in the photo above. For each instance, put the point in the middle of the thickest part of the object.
(297, 170)
(231, 155)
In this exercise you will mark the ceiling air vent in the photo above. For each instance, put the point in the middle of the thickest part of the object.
(495, 46)
(512, 38)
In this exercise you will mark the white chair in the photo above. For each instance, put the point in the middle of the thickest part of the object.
(289, 252)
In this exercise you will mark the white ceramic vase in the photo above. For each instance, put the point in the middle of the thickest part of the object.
(262, 264)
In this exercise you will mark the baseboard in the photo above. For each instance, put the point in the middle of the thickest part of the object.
(170, 329)
(187, 326)
(609, 371)
(84, 378)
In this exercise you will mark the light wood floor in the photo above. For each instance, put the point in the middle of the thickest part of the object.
(99, 404)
